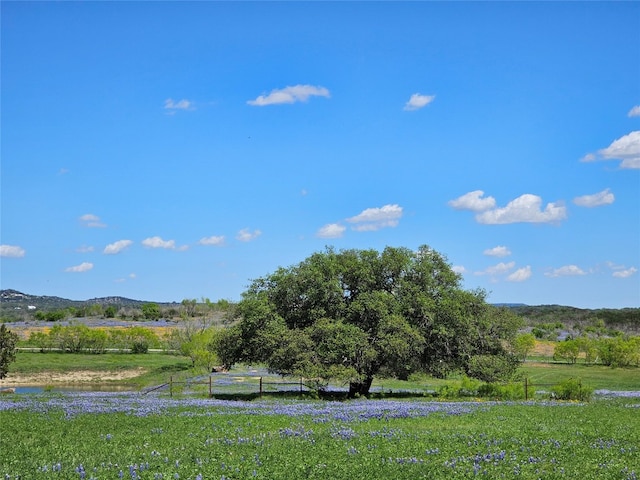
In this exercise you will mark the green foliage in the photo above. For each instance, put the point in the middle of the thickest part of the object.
(80, 338)
(110, 311)
(524, 344)
(619, 352)
(572, 389)
(567, 350)
(8, 341)
(51, 316)
(499, 391)
(493, 368)
(151, 311)
(355, 314)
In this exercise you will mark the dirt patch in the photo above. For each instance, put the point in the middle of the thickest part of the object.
(71, 378)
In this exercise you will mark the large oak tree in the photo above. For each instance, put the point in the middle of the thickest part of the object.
(355, 314)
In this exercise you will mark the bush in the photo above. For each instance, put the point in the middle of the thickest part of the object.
(572, 389)
(497, 391)
(493, 368)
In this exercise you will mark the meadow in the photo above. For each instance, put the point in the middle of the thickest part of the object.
(133, 436)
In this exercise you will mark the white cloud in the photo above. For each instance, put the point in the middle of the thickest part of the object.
(626, 148)
(116, 247)
(625, 273)
(589, 157)
(216, 240)
(83, 267)
(173, 107)
(85, 249)
(499, 269)
(372, 219)
(331, 230)
(566, 271)
(11, 251)
(473, 201)
(525, 208)
(292, 94)
(604, 197)
(418, 101)
(92, 221)
(131, 276)
(158, 242)
(458, 269)
(634, 112)
(499, 251)
(520, 275)
(246, 235)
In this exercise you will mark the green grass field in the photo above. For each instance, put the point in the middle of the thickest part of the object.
(102, 436)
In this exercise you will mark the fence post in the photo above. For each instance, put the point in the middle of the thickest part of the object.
(171, 386)
(260, 386)
(526, 388)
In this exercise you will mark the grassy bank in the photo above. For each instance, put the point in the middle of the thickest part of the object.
(158, 367)
(597, 376)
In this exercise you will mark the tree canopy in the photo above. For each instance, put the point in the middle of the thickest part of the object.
(355, 314)
(8, 341)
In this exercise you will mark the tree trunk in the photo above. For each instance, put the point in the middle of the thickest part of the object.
(360, 388)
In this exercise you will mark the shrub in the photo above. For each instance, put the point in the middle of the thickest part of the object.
(492, 368)
(572, 389)
(497, 391)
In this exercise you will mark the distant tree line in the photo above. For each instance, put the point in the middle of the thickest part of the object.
(82, 339)
(620, 351)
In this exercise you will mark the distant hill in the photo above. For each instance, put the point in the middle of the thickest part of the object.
(16, 304)
(625, 319)
(13, 301)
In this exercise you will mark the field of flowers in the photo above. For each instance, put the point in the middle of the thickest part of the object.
(133, 436)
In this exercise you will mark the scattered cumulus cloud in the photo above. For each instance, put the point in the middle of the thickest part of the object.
(418, 101)
(459, 269)
(589, 157)
(172, 107)
(92, 221)
(331, 230)
(85, 249)
(524, 209)
(215, 240)
(373, 219)
(292, 94)
(634, 112)
(83, 267)
(499, 269)
(520, 275)
(626, 149)
(11, 251)
(158, 242)
(246, 235)
(622, 272)
(499, 251)
(116, 247)
(604, 197)
(473, 201)
(131, 276)
(566, 271)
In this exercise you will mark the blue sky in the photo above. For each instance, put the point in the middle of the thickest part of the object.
(166, 150)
